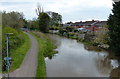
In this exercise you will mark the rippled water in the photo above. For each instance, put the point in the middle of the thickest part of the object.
(73, 60)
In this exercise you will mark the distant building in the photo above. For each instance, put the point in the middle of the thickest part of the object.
(101, 23)
(93, 25)
(89, 23)
(67, 24)
(82, 29)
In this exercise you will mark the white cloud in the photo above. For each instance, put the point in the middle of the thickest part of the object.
(70, 9)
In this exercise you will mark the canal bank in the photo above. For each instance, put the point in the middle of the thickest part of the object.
(77, 60)
(45, 49)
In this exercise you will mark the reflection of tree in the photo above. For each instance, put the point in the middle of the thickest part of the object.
(50, 57)
(103, 64)
(92, 48)
(115, 72)
(53, 54)
(55, 39)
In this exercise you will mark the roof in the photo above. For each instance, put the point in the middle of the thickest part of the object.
(101, 23)
(89, 23)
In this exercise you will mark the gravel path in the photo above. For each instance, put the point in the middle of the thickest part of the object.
(29, 64)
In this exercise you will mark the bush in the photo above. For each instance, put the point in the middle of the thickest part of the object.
(15, 40)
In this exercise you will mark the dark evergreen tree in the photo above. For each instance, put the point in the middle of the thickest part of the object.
(114, 28)
(44, 20)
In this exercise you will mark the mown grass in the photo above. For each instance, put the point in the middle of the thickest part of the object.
(45, 50)
(19, 54)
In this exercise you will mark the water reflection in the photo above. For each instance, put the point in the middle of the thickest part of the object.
(115, 72)
(74, 60)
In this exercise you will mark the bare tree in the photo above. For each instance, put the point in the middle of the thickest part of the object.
(39, 9)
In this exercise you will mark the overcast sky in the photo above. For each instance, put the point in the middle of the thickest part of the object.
(71, 10)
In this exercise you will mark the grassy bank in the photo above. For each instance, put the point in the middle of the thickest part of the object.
(45, 50)
(41, 70)
(19, 54)
(19, 44)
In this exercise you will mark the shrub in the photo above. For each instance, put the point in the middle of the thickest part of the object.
(15, 40)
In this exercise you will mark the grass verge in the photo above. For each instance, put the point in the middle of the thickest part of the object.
(41, 69)
(45, 50)
(20, 52)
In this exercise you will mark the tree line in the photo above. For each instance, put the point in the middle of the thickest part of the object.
(13, 19)
(44, 21)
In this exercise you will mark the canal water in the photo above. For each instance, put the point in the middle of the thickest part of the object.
(75, 60)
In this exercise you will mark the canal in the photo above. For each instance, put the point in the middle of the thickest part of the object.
(74, 59)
